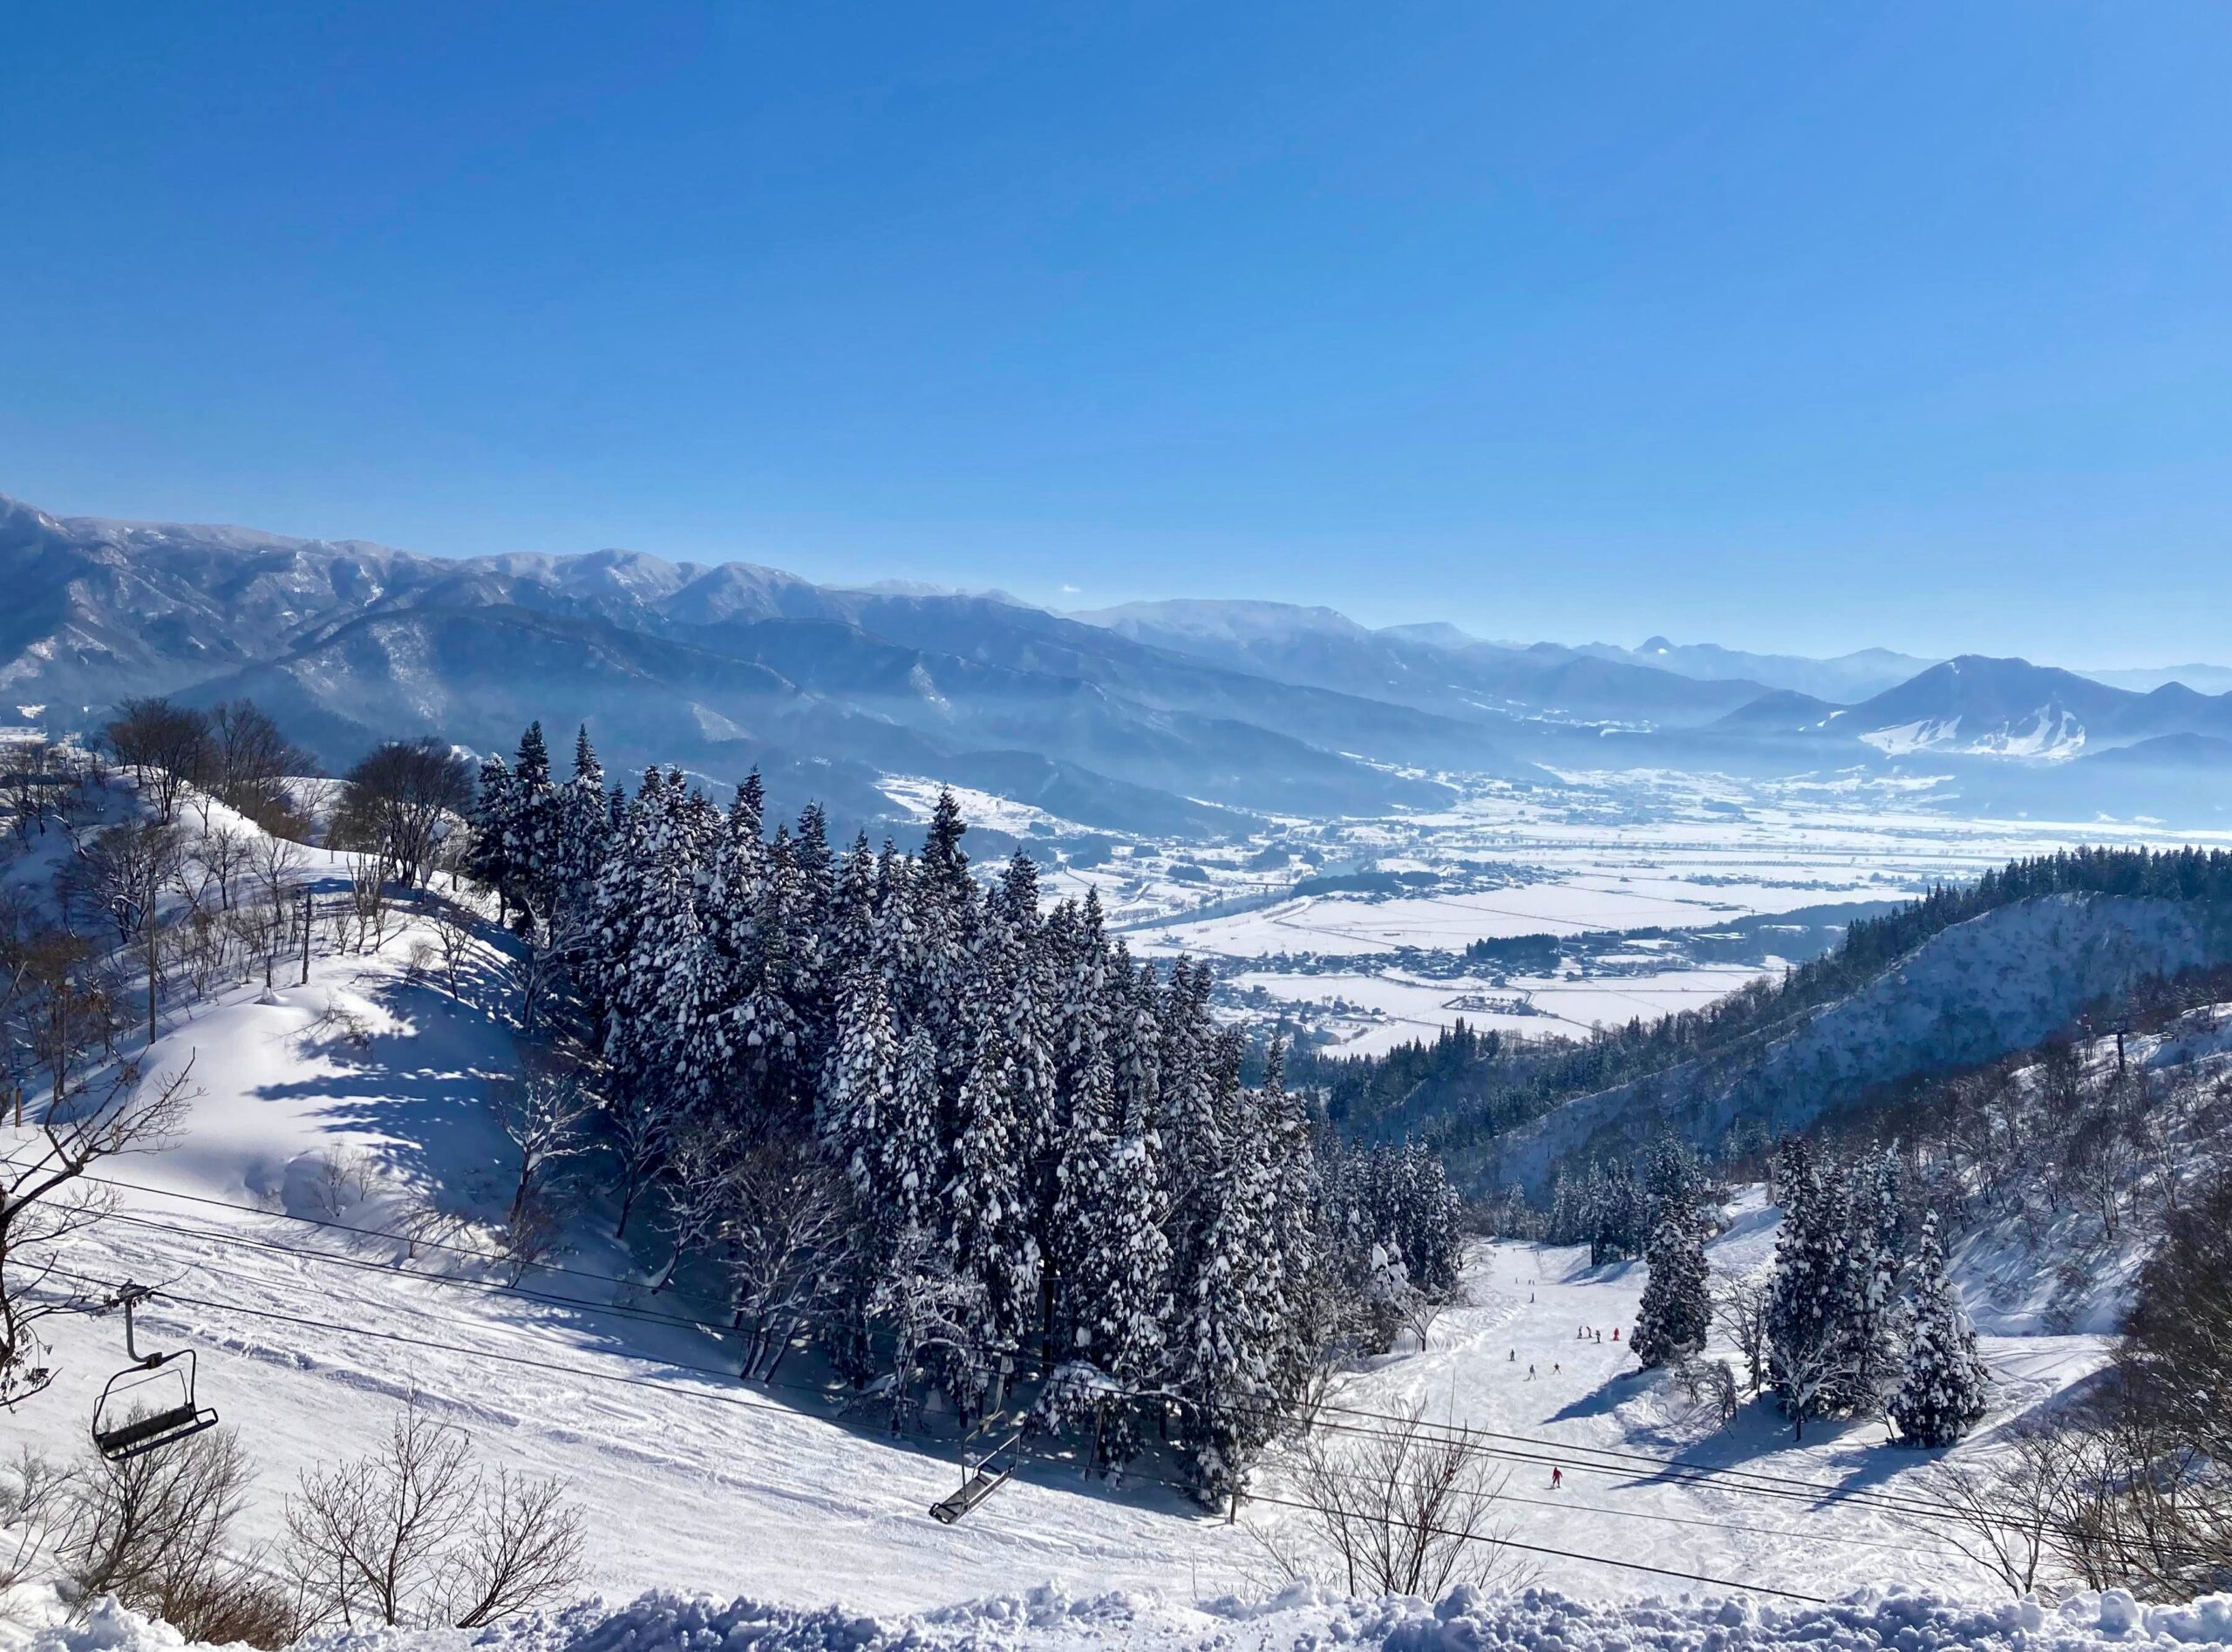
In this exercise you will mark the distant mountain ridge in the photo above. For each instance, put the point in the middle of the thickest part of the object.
(718, 668)
(1179, 718)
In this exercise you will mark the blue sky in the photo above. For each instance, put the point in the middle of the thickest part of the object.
(1779, 325)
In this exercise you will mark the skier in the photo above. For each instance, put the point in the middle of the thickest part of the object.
(1616, 1333)
(1557, 1476)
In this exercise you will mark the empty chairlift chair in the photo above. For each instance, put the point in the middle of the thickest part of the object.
(981, 1478)
(151, 1403)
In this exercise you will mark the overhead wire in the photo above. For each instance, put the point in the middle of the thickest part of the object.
(742, 1403)
(1497, 1445)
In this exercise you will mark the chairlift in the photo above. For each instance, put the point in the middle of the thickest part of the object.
(150, 1402)
(981, 1478)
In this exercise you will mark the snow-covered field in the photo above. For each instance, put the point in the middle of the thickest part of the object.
(1600, 851)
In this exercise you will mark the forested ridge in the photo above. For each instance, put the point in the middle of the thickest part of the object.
(1471, 1083)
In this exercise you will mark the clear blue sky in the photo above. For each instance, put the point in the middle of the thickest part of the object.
(1776, 324)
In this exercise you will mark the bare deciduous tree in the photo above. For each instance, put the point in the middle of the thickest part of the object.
(401, 800)
(1739, 1308)
(1405, 1509)
(155, 1532)
(44, 1200)
(786, 1227)
(542, 1114)
(416, 1536)
(166, 744)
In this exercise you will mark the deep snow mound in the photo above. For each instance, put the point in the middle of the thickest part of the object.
(1464, 1620)
(1299, 1618)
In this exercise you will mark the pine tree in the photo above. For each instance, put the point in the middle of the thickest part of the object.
(584, 833)
(650, 950)
(495, 801)
(1945, 1388)
(1227, 1347)
(1805, 1340)
(912, 1150)
(1869, 1305)
(990, 1235)
(1677, 1310)
(530, 834)
(858, 1105)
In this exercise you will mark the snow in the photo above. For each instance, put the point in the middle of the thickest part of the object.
(1296, 1619)
(309, 1338)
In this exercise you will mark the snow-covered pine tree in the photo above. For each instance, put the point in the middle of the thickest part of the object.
(728, 907)
(989, 1233)
(940, 976)
(1870, 1306)
(913, 1151)
(584, 830)
(1132, 1248)
(651, 950)
(815, 983)
(531, 833)
(487, 858)
(1945, 1389)
(775, 1083)
(1430, 1219)
(849, 944)
(1192, 1132)
(1807, 1344)
(1292, 1201)
(1227, 1344)
(857, 1109)
(1677, 1309)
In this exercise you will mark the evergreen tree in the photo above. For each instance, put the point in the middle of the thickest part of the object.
(1677, 1310)
(487, 859)
(1945, 1388)
(1870, 1307)
(912, 1148)
(1806, 1339)
(584, 832)
(530, 834)
(1227, 1344)
(651, 950)
(988, 1235)
(859, 1106)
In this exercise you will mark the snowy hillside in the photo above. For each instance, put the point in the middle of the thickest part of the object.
(1996, 983)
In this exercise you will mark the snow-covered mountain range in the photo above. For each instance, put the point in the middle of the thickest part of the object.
(1180, 718)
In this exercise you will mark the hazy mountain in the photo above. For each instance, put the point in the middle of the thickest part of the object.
(2203, 679)
(1842, 679)
(1434, 669)
(1180, 718)
(714, 667)
(1979, 706)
